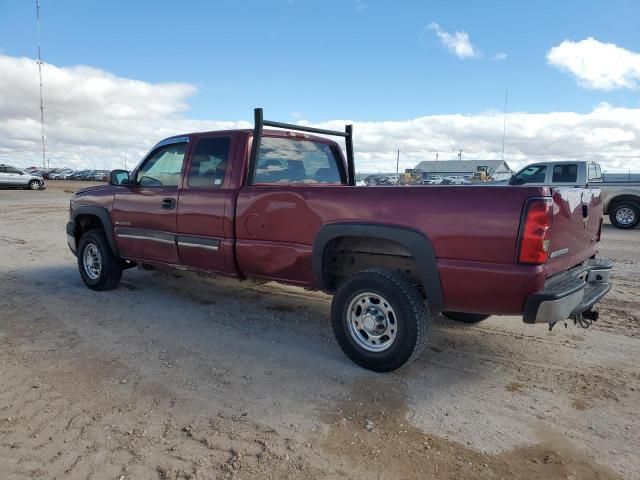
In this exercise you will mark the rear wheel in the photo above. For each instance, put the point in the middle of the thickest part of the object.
(625, 215)
(465, 317)
(99, 267)
(380, 319)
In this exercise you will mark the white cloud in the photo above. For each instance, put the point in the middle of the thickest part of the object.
(458, 43)
(607, 134)
(499, 56)
(597, 65)
(94, 119)
(360, 5)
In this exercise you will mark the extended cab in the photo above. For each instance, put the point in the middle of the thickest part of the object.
(282, 205)
(620, 200)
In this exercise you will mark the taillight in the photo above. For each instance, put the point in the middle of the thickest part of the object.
(534, 241)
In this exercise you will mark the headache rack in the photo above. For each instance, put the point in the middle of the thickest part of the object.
(260, 122)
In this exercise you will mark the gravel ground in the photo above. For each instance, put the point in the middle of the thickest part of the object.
(173, 376)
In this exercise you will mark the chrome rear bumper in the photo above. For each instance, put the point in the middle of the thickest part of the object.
(569, 294)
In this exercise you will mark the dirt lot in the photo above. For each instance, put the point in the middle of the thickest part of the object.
(172, 376)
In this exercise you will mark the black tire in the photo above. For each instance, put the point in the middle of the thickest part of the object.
(34, 185)
(465, 317)
(631, 216)
(410, 316)
(110, 268)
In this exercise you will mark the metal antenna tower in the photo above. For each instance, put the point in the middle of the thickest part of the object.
(44, 165)
(504, 122)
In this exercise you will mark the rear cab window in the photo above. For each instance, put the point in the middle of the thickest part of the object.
(298, 161)
(594, 173)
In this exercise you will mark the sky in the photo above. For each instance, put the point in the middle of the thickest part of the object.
(424, 77)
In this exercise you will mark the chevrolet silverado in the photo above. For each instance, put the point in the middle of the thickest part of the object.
(281, 204)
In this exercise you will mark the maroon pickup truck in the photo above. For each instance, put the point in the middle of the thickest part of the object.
(282, 205)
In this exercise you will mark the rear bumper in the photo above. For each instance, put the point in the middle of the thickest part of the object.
(570, 293)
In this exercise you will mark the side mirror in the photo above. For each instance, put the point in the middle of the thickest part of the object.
(118, 177)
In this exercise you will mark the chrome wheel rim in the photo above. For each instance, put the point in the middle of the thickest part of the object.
(372, 322)
(34, 185)
(92, 261)
(625, 216)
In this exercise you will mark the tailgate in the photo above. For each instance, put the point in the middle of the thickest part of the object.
(577, 213)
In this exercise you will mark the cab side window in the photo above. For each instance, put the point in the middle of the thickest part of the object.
(289, 161)
(565, 173)
(163, 167)
(209, 162)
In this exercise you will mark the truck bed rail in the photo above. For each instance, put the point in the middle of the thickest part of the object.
(260, 122)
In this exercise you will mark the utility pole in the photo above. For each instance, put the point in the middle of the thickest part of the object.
(504, 123)
(436, 156)
(398, 162)
(125, 162)
(40, 75)
(460, 154)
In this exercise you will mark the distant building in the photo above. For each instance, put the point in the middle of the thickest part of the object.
(494, 169)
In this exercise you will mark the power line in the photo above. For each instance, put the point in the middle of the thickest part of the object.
(44, 164)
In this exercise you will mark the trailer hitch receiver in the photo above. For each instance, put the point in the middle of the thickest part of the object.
(586, 318)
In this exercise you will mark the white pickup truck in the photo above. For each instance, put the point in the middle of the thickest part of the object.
(620, 200)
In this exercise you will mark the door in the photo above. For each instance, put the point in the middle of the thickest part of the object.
(4, 176)
(205, 207)
(11, 176)
(144, 211)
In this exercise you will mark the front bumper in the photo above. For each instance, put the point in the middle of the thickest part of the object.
(569, 294)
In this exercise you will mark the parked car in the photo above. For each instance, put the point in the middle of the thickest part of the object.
(453, 180)
(14, 177)
(281, 205)
(66, 175)
(60, 174)
(433, 180)
(620, 200)
(82, 175)
(101, 175)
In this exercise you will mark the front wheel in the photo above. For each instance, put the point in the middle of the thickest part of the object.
(625, 215)
(34, 185)
(465, 317)
(99, 267)
(380, 319)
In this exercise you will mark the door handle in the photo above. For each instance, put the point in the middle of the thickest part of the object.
(169, 203)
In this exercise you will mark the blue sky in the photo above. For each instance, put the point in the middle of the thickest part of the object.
(427, 78)
(365, 60)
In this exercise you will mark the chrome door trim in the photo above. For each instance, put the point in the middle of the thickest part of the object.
(144, 234)
(198, 242)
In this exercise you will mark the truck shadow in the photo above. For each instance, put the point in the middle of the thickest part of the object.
(218, 320)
